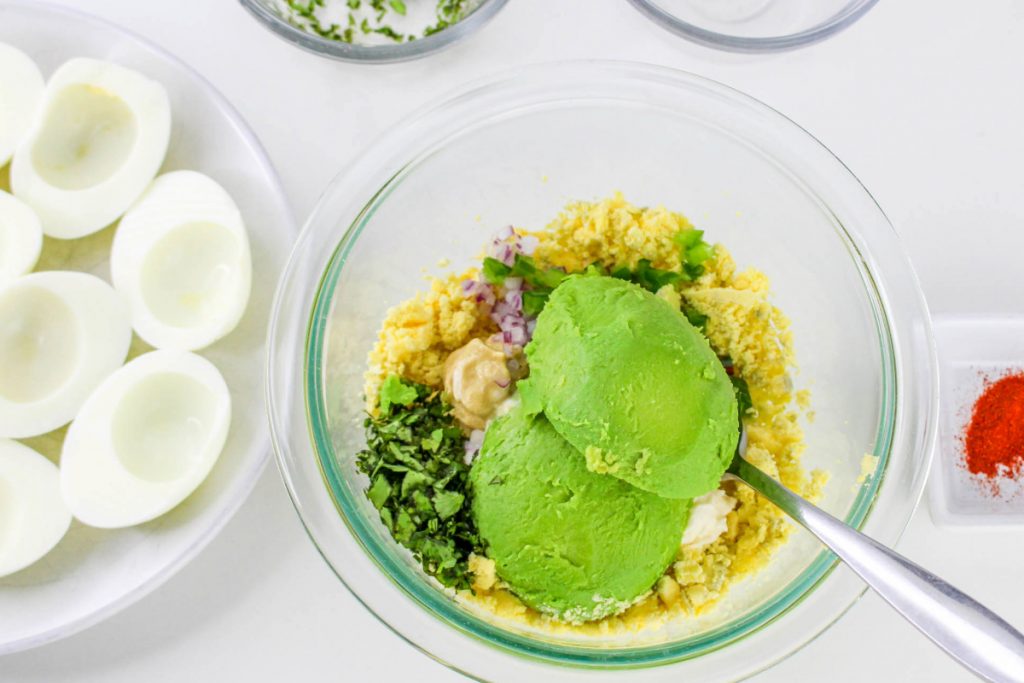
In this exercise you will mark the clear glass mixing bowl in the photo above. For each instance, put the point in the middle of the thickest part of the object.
(515, 150)
(755, 25)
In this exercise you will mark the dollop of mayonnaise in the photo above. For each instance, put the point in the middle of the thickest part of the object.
(477, 379)
(707, 519)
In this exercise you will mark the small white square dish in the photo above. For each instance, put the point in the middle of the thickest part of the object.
(973, 353)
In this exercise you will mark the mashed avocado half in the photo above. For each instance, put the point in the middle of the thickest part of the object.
(569, 542)
(625, 378)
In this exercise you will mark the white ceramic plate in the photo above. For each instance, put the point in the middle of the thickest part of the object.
(93, 573)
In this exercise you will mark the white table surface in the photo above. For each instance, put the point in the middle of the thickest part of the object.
(922, 99)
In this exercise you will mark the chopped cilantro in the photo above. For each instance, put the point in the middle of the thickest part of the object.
(379, 491)
(689, 238)
(696, 318)
(526, 268)
(693, 252)
(647, 276)
(539, 282)
(419, 480)
(447, 503)
(394, 392)
(390, 33)
(534, 300)
(739, 385)
(652, 279)
(700, 253)
(495, 271)
(305, 14)
(622, 272)
(433, 442)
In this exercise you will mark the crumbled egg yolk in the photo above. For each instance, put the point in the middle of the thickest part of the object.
(419, 334)
(613, 232)
(417, 337)
(868, 466)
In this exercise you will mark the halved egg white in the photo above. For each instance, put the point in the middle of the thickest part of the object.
(145, 439)
(98, 141)
(181, 259)
(21, 238)
(33, 517)
(61, 334)
(21, 89)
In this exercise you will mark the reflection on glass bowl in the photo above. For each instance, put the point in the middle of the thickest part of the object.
(755, 25)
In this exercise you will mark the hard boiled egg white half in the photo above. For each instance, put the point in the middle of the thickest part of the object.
(145, 439)
(33, 517)
(97, 142)
(61, 334)
(21, 89)
(21, 238)
(181, 259)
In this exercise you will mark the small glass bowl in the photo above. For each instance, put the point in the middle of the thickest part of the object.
(516, 149)
(269, 14)
(755, 25)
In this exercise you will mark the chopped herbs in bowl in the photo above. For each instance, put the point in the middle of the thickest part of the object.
(372, 22)
(373, 30)
(415, 458)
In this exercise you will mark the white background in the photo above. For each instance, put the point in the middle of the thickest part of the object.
(924, 101)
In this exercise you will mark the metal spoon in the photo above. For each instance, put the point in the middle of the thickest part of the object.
(970, 632)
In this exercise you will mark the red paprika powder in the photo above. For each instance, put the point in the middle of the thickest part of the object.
(994, 438)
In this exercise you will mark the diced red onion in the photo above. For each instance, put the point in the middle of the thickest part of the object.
(517, 336)
(507, 301)
(481, 292)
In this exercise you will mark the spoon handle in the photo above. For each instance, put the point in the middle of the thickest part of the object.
(971, 633)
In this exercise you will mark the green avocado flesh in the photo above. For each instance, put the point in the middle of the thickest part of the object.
(630, 383)
(569, 542)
